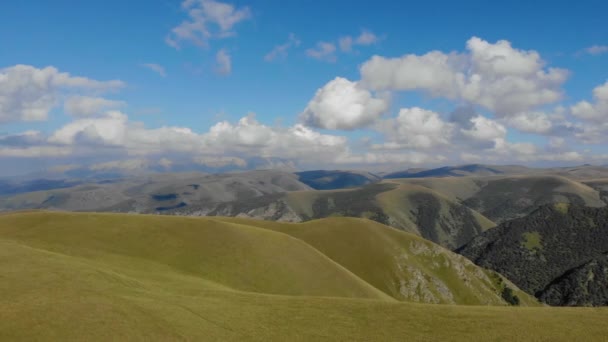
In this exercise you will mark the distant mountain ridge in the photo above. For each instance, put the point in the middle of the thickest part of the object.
(461, 171)
(336, 179)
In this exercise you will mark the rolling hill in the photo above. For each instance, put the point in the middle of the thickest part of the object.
(501, 198)
(336, 179)
(70, 276)
(557, 253)
(157, 193)
(411, 208)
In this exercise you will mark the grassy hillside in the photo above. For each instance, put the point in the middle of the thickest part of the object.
(402, 265)
(501, 198)
(543, 253)
(114, 277)
(408, 207)
(236, 256)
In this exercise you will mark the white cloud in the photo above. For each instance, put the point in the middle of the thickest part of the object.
(79, 105)
(530, 122)
(414, 128)
(324, 51)
(484, 129)
(281, 51)
(110, 129)
(28, 93)
(219, 161)
(597, 111)
(366, 37)
(596, 49)
(342, 104)
(496, 76)
(157, 68)
(207, 19)
(224, 62)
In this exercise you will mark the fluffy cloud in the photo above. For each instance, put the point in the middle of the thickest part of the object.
(79, 105)
(414, 128)
(485, 129)
(110, 129)
(248, 135)
(224, 62)
(28, 93)
(281, 51)
(496, 76)
(366, 37)
(207, 19)
(597, 111)
(342, 104)
(531, 122)
(324, 51)
(157, 68)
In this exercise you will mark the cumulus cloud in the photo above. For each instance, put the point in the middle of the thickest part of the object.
(343, 104)
(207, 19)
(531, 122)
(414, 128)
(157, 68)
(110, 129)
(596, 111)
(79, 105)
(484, 129)
(224, 62)
(28, 93)
(496, 76)
(324, 51)
(249, 135)
(281, 51)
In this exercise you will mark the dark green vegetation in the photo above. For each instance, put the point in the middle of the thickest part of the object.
(336, 179)
(557, 253)
(138, 277)
(582, 286)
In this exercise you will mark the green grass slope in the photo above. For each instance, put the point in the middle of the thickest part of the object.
(231, 255)
(403, 265)
(501, 198)
(57, 288)
(408, 207)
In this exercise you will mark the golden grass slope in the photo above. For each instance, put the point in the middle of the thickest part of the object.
(99, 277)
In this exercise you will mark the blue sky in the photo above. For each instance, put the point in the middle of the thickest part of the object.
(363, 121)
